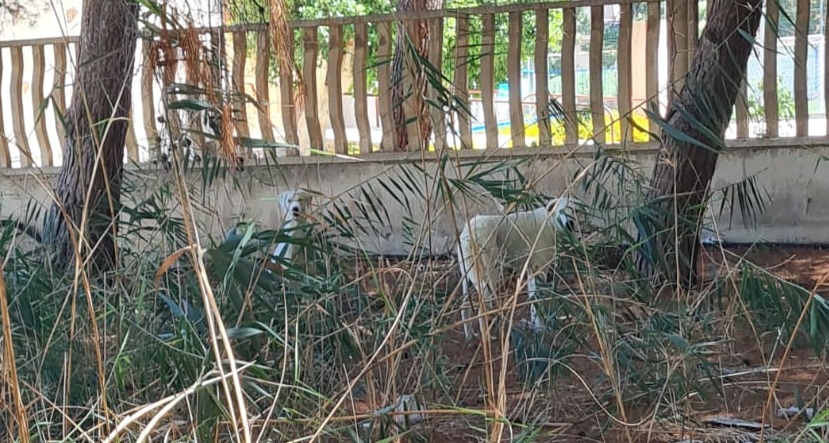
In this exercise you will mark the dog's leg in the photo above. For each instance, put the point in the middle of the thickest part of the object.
(532, 289)
(484, 280)
(475, 262)
(465, 302)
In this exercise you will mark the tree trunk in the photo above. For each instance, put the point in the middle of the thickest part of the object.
(403, 91)
(88, 186)
(669, 225)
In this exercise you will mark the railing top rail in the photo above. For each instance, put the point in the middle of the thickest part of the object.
(372, 18)
(447, 12)
(39, 41)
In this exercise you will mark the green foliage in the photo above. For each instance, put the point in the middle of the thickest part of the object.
(256, 11)
(253, 11)
(250, 11)
(816, 429)
(788, 10)
(757, 109)
(327, 345)
(528, 40)
(304, 336)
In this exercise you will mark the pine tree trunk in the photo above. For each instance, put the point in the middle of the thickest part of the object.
(402, 65)
(670, 223)
(88, 186)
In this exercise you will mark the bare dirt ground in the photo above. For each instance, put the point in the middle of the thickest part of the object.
(802, 265)
(749, 362)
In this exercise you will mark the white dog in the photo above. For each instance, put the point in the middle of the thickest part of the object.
(491, 243)
(295, 207)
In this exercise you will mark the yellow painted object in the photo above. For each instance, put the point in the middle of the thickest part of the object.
(613, 134)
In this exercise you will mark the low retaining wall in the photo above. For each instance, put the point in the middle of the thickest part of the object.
(791, 172)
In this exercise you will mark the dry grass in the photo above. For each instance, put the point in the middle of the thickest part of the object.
(409, 343)
(222, 351)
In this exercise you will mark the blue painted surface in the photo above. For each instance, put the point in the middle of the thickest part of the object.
(477, 129)
(481, 128)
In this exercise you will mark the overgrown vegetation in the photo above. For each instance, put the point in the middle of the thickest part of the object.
(327, 351)
(320, 351)
(757, 109)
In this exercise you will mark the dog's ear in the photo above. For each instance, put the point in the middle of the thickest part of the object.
(304, 196)
(284, 200)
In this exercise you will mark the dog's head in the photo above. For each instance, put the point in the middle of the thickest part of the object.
(211, 119)
(558, 216)
(294, 204)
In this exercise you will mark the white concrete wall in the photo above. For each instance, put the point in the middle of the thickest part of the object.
(794, 176)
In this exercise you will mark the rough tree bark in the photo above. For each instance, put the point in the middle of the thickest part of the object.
(419, 35)
(670, 224)
(88, 187)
